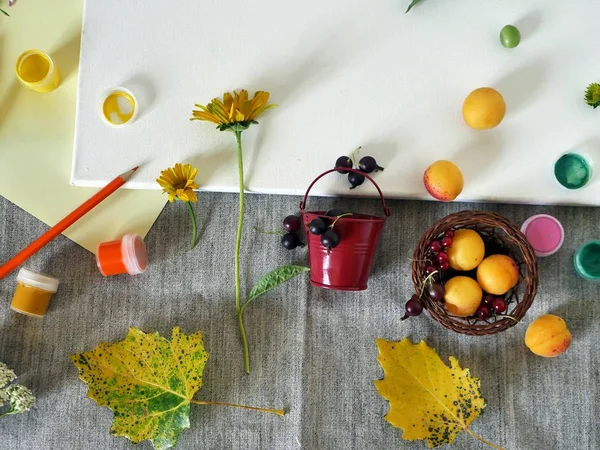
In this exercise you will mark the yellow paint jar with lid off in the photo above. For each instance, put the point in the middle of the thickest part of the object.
(37, 71)
(33, 293)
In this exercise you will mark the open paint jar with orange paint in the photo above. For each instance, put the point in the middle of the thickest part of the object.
(126, 255)
(33, 293)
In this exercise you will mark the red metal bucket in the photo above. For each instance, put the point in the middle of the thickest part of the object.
(347, 266)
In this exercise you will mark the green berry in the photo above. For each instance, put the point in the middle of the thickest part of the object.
(510, 36)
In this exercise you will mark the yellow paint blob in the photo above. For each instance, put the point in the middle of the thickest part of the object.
(118, 108)
(34, 68)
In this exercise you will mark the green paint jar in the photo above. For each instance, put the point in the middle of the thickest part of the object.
(573, 170)
(587, 261)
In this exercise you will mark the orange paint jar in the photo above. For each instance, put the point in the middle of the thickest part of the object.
(33, 293)
(126, 255)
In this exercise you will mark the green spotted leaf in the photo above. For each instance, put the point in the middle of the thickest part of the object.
(274, 279)
(147, 381)
(427, 399)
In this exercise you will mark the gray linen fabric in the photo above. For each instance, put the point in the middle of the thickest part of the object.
(313, 351)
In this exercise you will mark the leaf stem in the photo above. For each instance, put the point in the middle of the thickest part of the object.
(194, 225)
(238, 242)
(353, 155)
(278, 412)
(428, 278)
(338, 218)
(260, 231)
(485, 441)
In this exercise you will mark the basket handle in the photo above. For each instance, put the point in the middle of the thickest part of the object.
(386, 210)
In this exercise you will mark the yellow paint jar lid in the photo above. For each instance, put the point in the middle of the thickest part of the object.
(38, 280)
(119, 107)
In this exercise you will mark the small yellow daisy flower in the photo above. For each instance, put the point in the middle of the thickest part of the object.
(235, 112)
(179, 182)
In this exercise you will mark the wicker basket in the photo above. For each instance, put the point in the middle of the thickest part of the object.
(500, 237)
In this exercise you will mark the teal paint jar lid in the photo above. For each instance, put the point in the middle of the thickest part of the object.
(587, 261)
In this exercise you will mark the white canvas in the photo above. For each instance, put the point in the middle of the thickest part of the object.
(344, 73)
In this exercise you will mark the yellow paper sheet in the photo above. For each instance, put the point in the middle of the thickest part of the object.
(36, 130)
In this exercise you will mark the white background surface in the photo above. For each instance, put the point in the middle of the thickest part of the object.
(344, 73)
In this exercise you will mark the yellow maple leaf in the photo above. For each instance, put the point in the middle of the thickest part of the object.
(428, 400)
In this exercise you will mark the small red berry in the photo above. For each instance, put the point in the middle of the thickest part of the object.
(488, 299)
(442, 257)
(483, 312)
(429, 269)
(449, 233)
(447, 241)
(435, 247)
(444, 265)
(499, 305)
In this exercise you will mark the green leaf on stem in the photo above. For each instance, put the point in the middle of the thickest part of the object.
(274, 279)
(413, 3)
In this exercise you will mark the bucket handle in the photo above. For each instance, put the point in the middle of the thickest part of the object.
(386, 210)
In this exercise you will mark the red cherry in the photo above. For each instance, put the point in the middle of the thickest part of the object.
(442, 257)
(430, 269)
(499, 305)
(449, 233)
(435, 247)
(483, 312)
(447, 241)
(444, 265)
(488, 299)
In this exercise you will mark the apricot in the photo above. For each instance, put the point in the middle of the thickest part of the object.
(498, 274)
(467, 250)
(548, 336)
(463, 296)
(484, 108)
(443, 180)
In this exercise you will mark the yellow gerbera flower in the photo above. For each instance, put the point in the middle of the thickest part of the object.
(179, 182)
(235, 111)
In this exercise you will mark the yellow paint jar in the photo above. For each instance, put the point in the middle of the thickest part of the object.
(33, 293)
(36, 70)
(119, 107)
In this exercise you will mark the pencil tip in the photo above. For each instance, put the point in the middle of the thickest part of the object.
(135, 168)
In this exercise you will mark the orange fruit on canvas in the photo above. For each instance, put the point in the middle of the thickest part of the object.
(484, 108)
(498, 274)
(548, 336)
(463, 296)
(443, 180)
(467, 250)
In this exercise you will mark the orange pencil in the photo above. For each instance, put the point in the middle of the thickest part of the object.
(65, 223)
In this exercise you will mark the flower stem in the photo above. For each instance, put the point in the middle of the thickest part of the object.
(485, 441)
(194, 225)
(238, 242)
(279, 412)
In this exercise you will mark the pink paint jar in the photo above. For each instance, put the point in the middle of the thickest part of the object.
(126, 255)
(544, 233)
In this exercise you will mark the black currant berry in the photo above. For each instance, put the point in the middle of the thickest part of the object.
(291, 241)
(317, 226)
(330, 239)
(335, 212)
(355, 179)
(292, 223)
(367, 164)
(343, 162)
